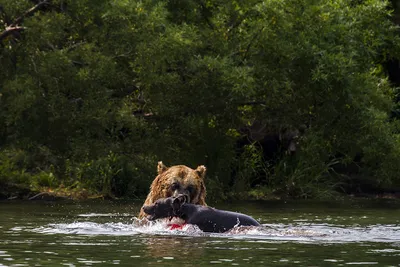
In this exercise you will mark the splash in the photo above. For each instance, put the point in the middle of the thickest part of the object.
(298, 232)
(134, 227)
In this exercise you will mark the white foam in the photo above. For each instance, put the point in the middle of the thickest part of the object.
(299, 232)
(105, 215)
(119, 229)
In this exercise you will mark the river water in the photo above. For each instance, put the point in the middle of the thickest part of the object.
(294, 233)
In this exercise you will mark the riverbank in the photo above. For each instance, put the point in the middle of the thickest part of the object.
(20, 192)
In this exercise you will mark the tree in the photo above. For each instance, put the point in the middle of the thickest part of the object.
(95, 92)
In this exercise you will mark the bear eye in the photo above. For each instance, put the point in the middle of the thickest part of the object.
(174, 186)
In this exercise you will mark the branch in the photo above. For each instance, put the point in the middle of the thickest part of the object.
(250, 43)
(206, 17)
(251, 103)
(153, 116)
(29, 12)
(10, 30)
(14, 27)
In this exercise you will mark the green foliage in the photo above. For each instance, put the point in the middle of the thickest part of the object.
(43, 179)
(307, 175)
(10, 172)
(249, 166)
(94, 93)
(14, 180)
(110, 175)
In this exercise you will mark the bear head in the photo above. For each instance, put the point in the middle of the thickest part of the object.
(178, 180)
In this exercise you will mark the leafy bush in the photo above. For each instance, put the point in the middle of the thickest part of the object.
(96, 92)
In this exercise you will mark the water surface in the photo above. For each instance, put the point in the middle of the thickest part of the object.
(294, 233)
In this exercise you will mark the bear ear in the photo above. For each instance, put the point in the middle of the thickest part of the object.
(161, 167)
(201, 170)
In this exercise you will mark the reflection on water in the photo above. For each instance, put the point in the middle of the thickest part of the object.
(106, 234)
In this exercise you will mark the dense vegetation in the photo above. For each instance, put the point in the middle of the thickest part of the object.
(284, 98)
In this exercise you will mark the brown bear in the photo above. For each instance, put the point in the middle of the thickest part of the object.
(175, 180)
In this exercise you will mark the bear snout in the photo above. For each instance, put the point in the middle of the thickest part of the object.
(182, 193)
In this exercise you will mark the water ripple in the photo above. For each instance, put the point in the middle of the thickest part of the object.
(299, 232)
